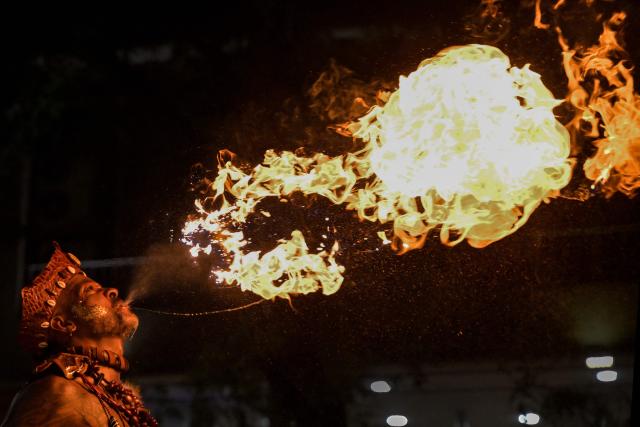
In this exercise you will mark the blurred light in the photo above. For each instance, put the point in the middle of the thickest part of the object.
(607, 376)
(529, 419)
(600, 362)
(397, 420)
(380, 387)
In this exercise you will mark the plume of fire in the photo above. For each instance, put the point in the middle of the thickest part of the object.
(467, 145)
(287, 269)
(608, 107)
(601, 89)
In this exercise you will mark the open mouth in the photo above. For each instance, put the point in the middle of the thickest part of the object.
(121, 305)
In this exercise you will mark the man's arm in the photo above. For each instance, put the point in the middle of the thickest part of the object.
(55, 401)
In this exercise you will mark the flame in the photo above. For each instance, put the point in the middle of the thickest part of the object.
(287, 269)
(601, 88)
(537, 22)
(490, 8)
(467, 144)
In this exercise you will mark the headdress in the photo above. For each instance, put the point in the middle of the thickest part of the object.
(40, 298)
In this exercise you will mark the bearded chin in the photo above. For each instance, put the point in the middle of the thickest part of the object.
(101, 321)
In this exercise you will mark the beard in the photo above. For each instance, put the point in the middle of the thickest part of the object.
(100, 321)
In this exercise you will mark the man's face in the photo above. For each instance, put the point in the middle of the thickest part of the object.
(98, 312)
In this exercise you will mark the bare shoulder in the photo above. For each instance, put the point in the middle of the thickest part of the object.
(55, 401)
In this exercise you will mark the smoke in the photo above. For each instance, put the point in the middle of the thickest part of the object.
(168, 271)
(338, 95)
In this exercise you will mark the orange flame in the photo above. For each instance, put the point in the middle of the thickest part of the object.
(490, 8)
(608, 108)
(537, 22)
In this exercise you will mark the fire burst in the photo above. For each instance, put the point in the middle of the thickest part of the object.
(467, 145)
(609, 113)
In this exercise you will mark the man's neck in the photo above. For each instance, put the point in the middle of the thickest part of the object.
(113, 344)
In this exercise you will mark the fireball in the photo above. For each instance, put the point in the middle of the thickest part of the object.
(468, 144)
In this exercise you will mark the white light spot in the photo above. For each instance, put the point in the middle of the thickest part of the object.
(600, 362)
(607, 376)
(397, 420)
(530, 418)
(380, 387)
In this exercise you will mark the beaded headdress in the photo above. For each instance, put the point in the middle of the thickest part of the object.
(40, 298)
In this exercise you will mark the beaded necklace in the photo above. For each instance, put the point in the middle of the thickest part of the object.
(119, 397)
(85, 364)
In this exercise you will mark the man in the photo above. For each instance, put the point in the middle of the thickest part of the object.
(75, 329)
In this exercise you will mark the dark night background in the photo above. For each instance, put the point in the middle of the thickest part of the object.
(104, 114)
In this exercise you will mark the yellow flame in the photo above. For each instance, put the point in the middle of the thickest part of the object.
(467, 144)
(608, 108)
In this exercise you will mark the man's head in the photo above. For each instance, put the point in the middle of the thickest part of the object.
(64, 307)
(87, 310)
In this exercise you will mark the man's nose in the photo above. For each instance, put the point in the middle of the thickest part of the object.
(111, 293)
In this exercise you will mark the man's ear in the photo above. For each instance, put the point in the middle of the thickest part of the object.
(60, 324)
